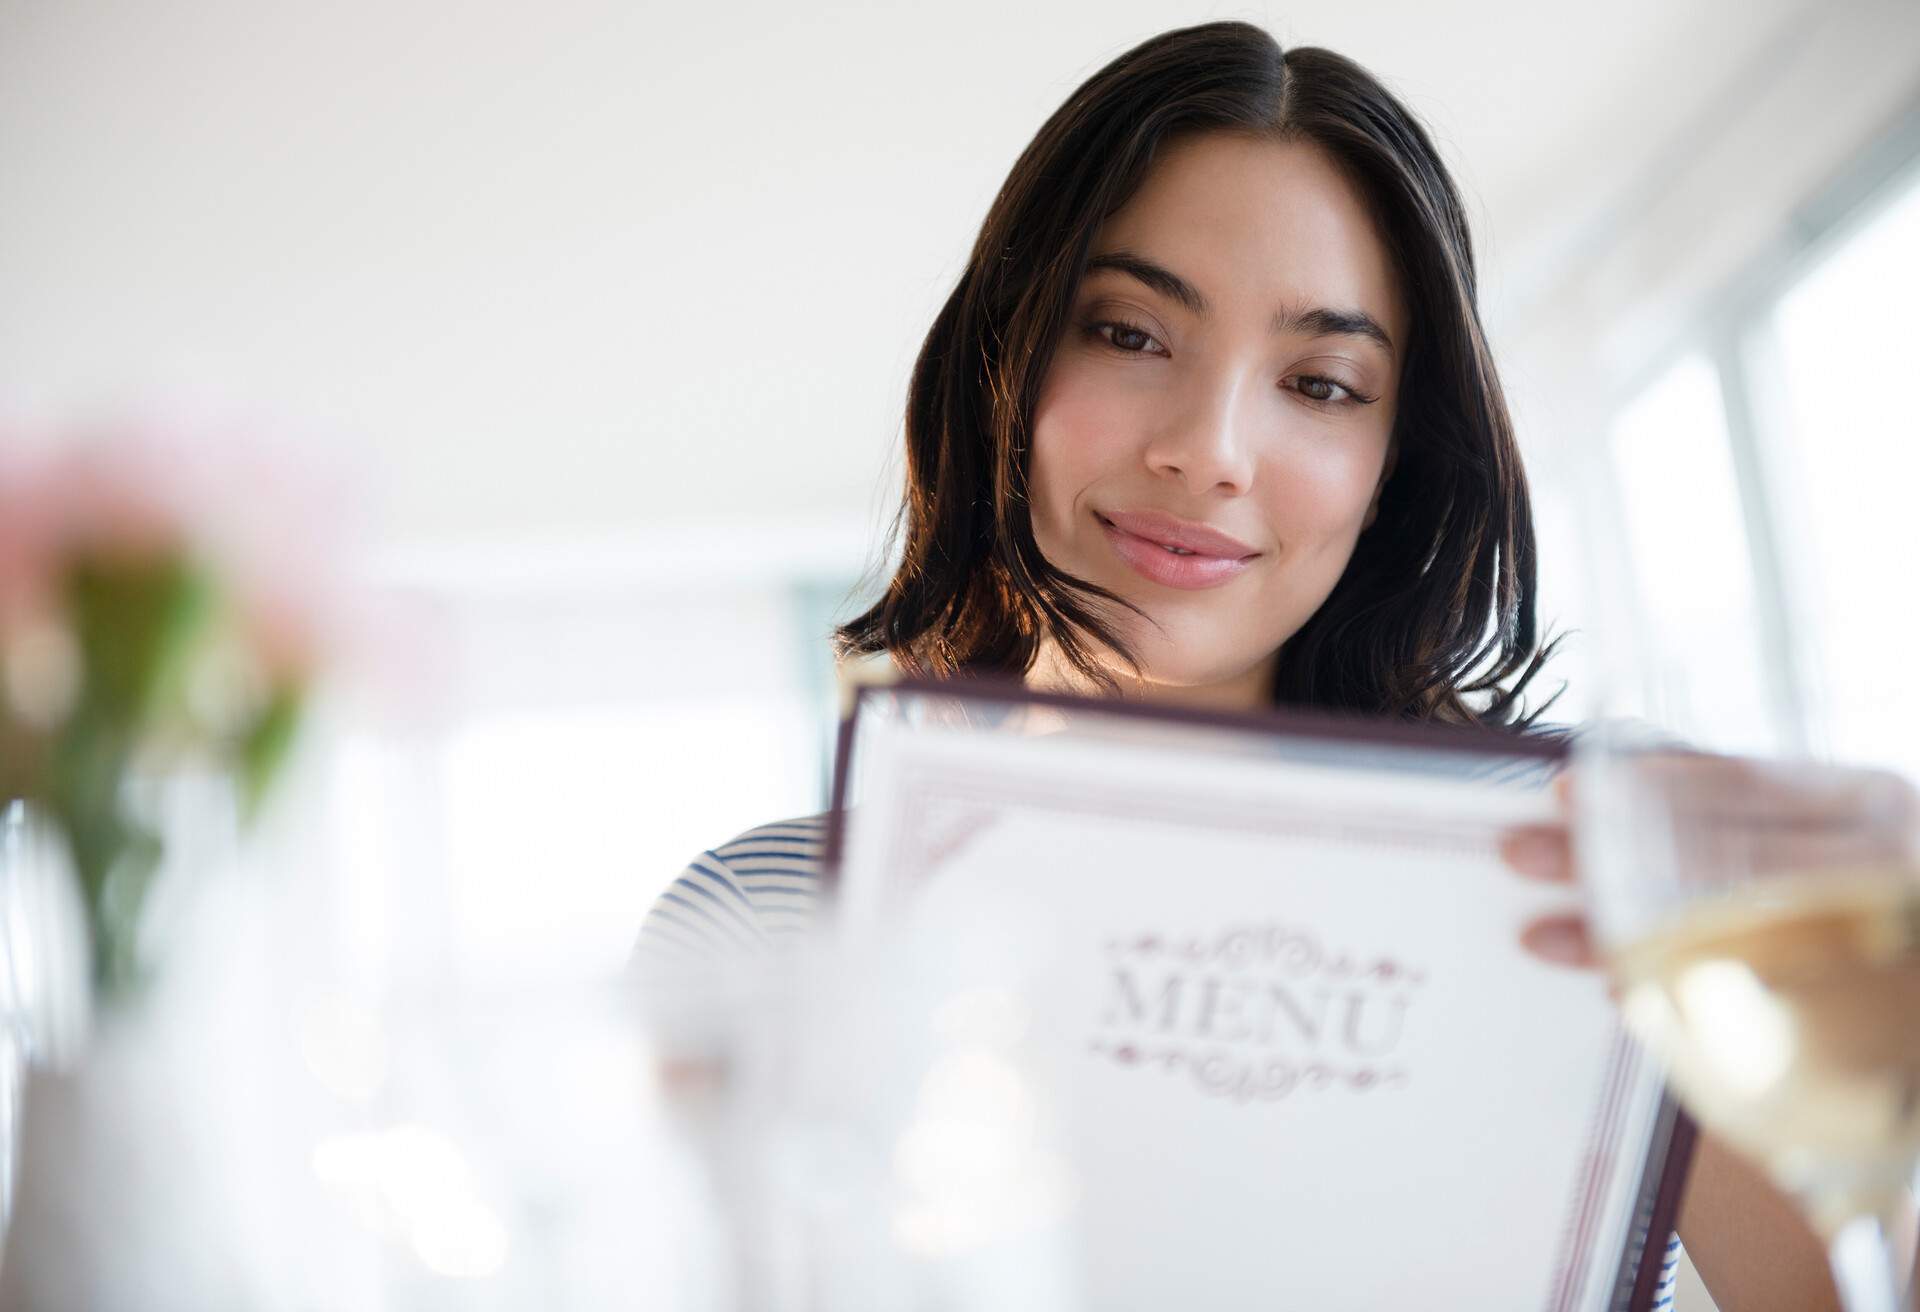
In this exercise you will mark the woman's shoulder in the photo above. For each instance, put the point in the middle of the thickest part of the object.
(790, 848)
(745, 894)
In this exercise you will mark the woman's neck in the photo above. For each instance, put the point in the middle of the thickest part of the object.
(1249, 691)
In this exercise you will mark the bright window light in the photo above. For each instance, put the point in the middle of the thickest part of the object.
(1844, 338)
(1704, 665)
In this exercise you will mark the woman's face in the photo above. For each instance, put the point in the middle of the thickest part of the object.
(1213, 432)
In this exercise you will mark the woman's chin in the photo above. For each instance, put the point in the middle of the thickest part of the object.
(1231, 685)
(1173, 668)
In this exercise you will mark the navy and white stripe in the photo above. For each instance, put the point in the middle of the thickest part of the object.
(1669, 1276)
(750, 895)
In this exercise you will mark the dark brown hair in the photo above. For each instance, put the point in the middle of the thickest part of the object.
(1433, 618)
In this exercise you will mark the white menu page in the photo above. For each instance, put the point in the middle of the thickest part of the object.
(1300, 1056)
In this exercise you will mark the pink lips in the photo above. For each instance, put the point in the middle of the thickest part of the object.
(1142, 539)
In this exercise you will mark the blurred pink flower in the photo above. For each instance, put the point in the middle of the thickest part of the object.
(259, 513)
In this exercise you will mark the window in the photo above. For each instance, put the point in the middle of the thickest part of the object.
(1842, 337)
(1702, 657)
(1765, 485)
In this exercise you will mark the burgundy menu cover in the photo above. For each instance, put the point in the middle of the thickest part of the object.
(1265, 1033)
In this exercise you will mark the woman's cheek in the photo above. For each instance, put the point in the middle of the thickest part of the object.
(1320, 499)
(1079, 439)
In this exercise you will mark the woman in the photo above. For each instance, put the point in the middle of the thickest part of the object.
(1211, 419)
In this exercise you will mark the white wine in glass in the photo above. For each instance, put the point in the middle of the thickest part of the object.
(1790, 1018)
(1762, 921)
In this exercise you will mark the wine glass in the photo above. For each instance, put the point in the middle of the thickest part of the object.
(1762, 921)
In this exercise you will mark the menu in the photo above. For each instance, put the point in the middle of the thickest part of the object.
(1267, 977)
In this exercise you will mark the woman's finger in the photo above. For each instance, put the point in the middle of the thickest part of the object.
(1563, 940)
(1539, 852)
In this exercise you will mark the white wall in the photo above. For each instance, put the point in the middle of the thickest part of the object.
(573, 270)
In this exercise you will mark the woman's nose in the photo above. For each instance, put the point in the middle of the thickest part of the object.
(1208, 443)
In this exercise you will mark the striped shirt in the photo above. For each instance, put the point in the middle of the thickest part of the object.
(1669, 1276)
(749, 895)
(748, 898)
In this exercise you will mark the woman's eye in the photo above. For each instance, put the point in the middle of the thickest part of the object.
(1125, 337)
(1326, 391)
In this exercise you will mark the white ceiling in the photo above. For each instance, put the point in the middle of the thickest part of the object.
(575, 269)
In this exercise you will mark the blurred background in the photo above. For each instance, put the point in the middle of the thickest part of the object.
(610, 308)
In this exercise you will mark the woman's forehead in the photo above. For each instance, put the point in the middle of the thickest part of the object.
(1256, 224)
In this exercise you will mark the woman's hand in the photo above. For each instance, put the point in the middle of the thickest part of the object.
(1545, 852)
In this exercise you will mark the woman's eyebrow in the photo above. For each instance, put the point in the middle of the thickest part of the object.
(1322, 322)
(1317, 321)
(1157, 276)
